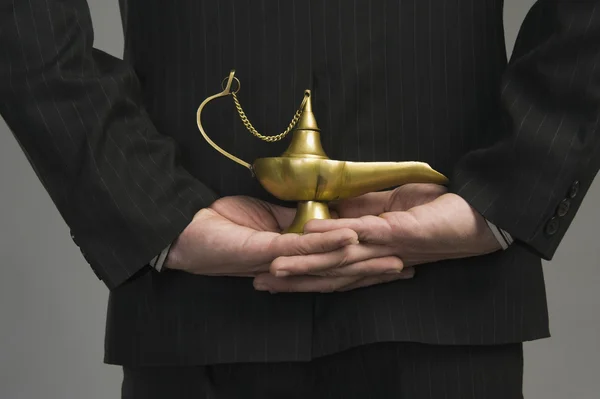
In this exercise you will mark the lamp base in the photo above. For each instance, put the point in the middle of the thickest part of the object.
(305, 211)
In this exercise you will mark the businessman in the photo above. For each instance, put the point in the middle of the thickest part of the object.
(417, 292)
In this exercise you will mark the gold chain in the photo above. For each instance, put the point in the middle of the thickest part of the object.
(251, 129)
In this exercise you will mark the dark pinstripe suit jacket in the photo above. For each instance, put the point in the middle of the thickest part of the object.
(116, 146)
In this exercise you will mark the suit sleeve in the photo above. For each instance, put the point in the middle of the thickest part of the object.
(76, 113)
(532, 182)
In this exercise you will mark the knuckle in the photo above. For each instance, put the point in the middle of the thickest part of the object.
(322, 244)
(300, 245)
(315, 243)
(331, 273)
(376, 228)
(346, 256)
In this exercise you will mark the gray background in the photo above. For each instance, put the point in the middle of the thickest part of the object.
(52, 306)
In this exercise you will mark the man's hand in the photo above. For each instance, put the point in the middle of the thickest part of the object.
(402, 198)
(268, 282)
(241, 236)
(417, 223)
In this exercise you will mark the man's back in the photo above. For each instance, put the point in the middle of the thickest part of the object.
(392, 81)
(191, 259)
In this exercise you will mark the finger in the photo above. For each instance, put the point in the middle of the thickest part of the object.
(405, 274)
(367, 204)
(369, 228)
(410, 195)
(267, 282)
(329, 261)
(369, 267)
(306, 244)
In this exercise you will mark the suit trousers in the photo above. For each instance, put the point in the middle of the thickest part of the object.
(377, 371)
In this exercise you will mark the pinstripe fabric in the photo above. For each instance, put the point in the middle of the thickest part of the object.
(116, 145)
(550, 115)
(76, 112)
(381, 371)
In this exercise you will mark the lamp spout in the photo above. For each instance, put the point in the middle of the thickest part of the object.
(359, 178)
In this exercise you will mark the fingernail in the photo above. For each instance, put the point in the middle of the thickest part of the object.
(282, 273)
(353, 241)
(408, 275)
(260, 287)
(394, 271)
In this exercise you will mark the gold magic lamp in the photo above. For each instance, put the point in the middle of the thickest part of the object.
(305, 174)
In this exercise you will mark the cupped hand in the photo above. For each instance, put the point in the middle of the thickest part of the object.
(412, 225)
(370, 257)
(241, 236)
(402, 198)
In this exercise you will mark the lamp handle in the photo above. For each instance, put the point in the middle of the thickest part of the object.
(226, 91)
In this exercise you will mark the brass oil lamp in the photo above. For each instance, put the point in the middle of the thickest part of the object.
(304, 173)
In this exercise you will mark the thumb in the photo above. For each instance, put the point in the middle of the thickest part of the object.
(315, 243)
(410, 195)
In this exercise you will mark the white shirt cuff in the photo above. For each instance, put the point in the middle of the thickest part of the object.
(158, 261)
(504, 238)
